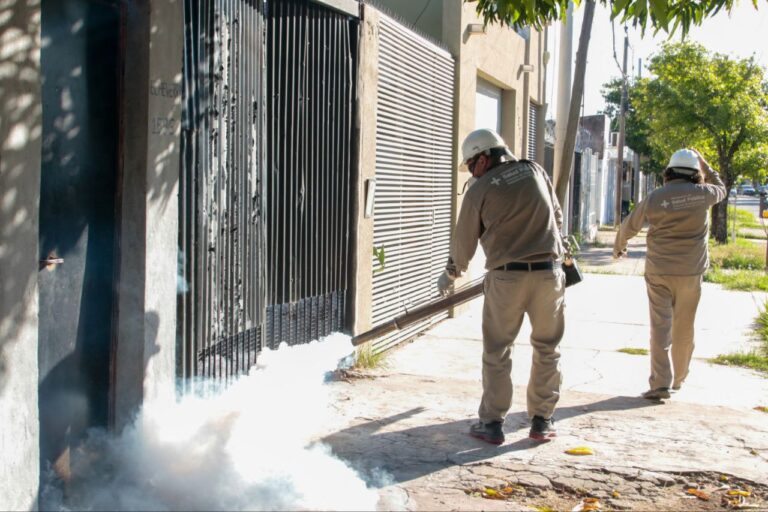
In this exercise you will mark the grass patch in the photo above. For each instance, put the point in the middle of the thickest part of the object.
(741, 280)
(752, 360)
(744, 218)
(600, 270)
(750, 235)
(756, 359)
(762, 326)
(742, 255)
(597, 244)
(366, 358)
(634, 351)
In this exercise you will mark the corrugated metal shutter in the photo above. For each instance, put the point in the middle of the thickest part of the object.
(533, 129)
(414, 155)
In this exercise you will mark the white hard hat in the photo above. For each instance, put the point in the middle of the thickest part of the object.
(482, 140)
(684, 161)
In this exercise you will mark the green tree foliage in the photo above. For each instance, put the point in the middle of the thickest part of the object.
(666, 15)
(708, 101)
(637, 130)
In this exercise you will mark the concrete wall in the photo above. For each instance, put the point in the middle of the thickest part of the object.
(145, 361)
(20, 134)
(368, 77)
(496, 56)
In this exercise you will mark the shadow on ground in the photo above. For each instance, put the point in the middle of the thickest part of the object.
(417, 451)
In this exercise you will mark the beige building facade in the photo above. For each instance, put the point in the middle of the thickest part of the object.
(499, 80)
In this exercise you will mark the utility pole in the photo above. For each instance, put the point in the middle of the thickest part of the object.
(577, 92)
(563, 89)
(620, 143)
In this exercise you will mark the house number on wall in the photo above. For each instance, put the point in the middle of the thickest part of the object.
(163, 126)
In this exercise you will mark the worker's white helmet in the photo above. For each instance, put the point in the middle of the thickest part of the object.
(482, 140)
(684, 161)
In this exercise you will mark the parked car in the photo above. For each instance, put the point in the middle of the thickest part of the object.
(748, 191)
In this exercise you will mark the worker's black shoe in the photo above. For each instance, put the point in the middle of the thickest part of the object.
(542, 429)
(656, 394)
(489, 432)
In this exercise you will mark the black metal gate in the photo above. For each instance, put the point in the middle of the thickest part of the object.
(266, 179)
(311, 75)
(221, 226)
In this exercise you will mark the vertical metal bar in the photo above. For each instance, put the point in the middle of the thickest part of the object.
(334, 200)
(289, 203)
(313, 182)
(206, 195)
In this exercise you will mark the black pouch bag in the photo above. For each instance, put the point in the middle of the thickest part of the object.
(572, 273)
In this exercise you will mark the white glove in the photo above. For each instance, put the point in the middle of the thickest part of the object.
(445, 283)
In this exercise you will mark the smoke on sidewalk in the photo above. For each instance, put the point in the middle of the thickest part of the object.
(249, 446)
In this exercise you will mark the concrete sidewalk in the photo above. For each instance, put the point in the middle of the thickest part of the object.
(410, 418)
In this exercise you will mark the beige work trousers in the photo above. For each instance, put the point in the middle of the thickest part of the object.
(508, 296)
(672, 301)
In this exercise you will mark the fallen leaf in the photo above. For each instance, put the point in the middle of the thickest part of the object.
(761, 408)
(699, 494)
(616, 494)
(738, 492)
(544, 508)
(492, 494)
(580, 450)
(724, 478)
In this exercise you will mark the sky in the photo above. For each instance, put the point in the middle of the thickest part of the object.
(739, 35)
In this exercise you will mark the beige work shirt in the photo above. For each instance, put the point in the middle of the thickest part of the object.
(514, 213)
(678, 218)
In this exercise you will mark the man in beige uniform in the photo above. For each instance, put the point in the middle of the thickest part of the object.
(512, 211)
(678, 217)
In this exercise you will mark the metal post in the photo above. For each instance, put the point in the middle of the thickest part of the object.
(620, 144)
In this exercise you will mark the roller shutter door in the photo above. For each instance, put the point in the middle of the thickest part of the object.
(414, 155)
(533, 128)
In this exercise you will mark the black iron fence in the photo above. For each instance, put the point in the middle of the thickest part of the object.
(311, 74)
(266, 183)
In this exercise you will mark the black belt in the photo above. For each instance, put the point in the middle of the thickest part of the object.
(536, 265)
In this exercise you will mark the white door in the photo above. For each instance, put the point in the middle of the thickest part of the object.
(487, 115)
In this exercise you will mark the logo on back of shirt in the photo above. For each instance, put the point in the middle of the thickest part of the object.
(495, 181)
(664, 203)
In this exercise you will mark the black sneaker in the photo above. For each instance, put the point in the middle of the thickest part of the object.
(542, 429)
(488, 432)
(656, 394)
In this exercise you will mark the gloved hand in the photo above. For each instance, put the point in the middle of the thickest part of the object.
(445, 283)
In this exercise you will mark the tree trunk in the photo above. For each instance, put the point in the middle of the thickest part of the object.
(564, 173)
(719, 225)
